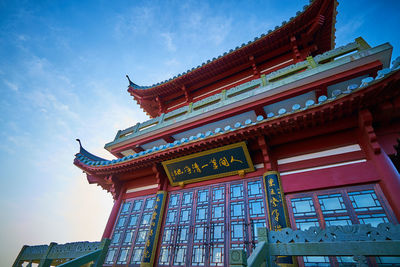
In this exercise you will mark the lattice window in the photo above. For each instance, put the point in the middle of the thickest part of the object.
(218, 211)
(180, 255)
(236, 191)
(202, 196)
(201, 214)
(110, 256)
(125, 207)
(133, 220)
(218, 193)
(202, 224)
(198, 255)
(237, 210)
(130, 231)
(123, 255)
(165, 255)
(217, 255)
(137, 254)
(128, 237)
(342, 206)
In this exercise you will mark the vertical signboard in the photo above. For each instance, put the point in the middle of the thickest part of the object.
(277, 211)
(154, 231)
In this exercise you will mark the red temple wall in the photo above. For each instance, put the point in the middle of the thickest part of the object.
(357, 173)
(367, 167)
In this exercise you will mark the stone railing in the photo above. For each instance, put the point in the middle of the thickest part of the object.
(64, 255)
(336, 57)
(358, 241)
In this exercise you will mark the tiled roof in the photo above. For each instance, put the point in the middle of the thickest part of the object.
(315, 23)
(90, 160)
(132, 84)
(272, 81)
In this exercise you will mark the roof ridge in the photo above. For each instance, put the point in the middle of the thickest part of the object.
(366, 82)
(209, 61)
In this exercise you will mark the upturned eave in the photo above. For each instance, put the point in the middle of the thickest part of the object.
(382, 90)
(315, 24)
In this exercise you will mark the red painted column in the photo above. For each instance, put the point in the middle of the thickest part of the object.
(390, 181)
(275, 197)
(389, 177)
(112, 217)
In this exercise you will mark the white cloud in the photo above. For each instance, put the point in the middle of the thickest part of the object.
(43, 100)
(9, 150)
(219, 30)
(194, 20)
(11, 85)
(137, 21)
(201, 25)
(349, 30)
(168, 41)
(173, 62)
(15, 139)
(22, 37)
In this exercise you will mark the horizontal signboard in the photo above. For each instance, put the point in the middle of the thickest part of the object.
(214, 163)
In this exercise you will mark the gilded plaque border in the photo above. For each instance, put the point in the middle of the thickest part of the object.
(208, 152)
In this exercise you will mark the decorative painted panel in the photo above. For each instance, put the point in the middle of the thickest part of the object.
(202, 224)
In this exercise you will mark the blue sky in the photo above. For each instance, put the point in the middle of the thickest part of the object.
(62, 76)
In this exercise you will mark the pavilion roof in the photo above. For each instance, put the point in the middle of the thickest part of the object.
(341, 104)
(316, 19)
(298, 72)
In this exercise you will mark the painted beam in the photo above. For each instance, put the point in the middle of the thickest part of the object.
(347, 74)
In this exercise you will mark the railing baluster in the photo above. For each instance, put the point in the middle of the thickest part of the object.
(17, 262)
(237, 258)
(359, 240)
(45, 261)
(70, 254)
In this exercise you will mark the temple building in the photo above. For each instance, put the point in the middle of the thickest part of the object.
(283, 131)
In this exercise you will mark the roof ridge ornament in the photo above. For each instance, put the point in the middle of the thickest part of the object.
(130, 82)
(87, 154)
(79, 141)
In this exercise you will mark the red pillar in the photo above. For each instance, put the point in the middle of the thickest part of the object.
(389, 177)
(390, 181)
(112, 218)
(271, 168)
